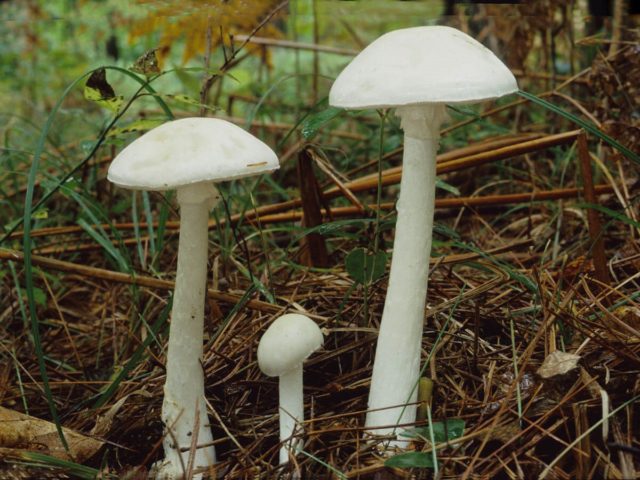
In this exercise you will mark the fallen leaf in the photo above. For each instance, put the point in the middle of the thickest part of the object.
(558, 363)
(23, 432)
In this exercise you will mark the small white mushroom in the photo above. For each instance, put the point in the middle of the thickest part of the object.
(417, 70)
(189, 155)
(282, 350)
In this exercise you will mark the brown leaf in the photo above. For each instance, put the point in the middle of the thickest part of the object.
(558, 363)
(23, 432)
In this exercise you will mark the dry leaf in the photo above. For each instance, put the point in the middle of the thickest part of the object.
(558, 363)
(22, 432)
(103, 422)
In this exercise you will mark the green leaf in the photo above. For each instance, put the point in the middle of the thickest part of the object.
(410, 460)
(365, 268)
(312, 124)
(39, 296)
(98, 90)
(454, 429)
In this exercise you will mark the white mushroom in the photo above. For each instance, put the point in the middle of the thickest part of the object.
(416, 70)
(282, 350)
(189, 155)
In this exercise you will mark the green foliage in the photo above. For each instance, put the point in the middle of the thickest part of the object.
(35, 459)
(410, 460)
(313, 123)
(365, 268)
(440, 432)
(445, 431)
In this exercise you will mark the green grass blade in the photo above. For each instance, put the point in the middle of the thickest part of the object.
(610, 213)
(588, 126)
(41, 460)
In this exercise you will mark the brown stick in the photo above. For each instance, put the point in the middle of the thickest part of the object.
(273, 42)
(143, 281)
(595, 228)
(485, 201)
(314, 249)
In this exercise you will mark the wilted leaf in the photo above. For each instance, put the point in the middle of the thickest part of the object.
(410, 460)
(185, 23)
(558, 363)
(505, 433)
(104, 422)
(98, 90)
(147, 64)
(425, 393)
(23, 432)
(365, 268)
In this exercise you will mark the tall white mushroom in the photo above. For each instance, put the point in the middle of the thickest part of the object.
(189, 155)
(282, 350)
(417, 71)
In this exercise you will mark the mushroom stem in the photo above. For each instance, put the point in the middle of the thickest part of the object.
(291, 411)
(184, 386)
(397, 361)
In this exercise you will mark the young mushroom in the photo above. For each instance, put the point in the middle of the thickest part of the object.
(282, 350)
(189, 155)
(417, 71)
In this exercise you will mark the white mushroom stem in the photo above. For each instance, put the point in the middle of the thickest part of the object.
(184, 387)
(397, 360)
(291, 411)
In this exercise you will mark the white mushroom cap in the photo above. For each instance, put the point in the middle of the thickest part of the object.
(188, 151)
(421, 65)
(287, 343)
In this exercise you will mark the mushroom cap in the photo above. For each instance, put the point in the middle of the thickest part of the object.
(420, 65)
(190, 150)
(287, 343)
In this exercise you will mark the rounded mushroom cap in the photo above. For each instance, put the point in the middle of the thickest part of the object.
(287, 343)
(190, 150)
(421, 65)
